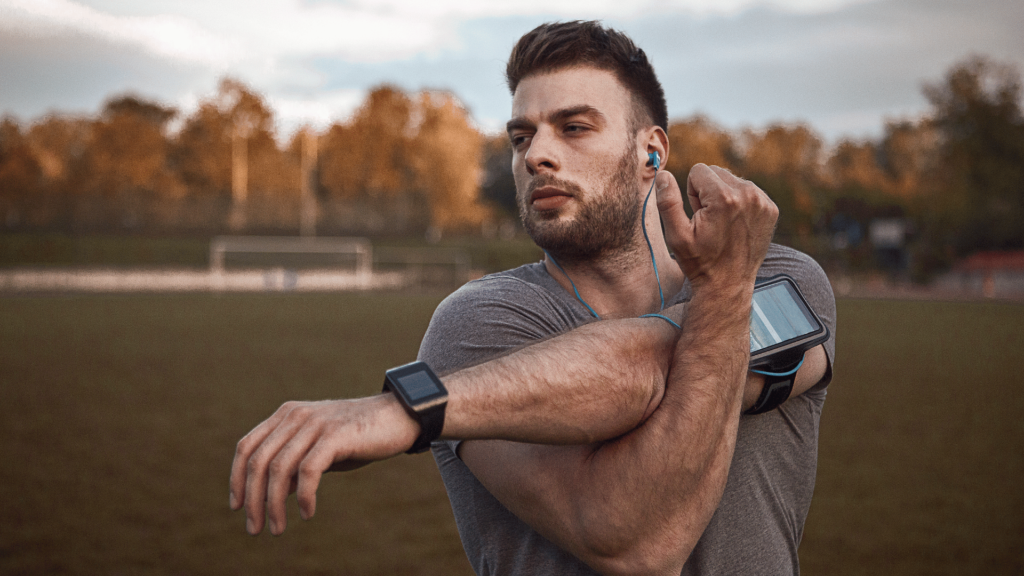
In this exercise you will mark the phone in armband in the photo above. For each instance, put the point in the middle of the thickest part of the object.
(782, 325)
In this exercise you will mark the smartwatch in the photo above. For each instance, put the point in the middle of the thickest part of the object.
(778, 385)
(423, 396)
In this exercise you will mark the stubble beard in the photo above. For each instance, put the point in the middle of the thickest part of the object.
(604, 225)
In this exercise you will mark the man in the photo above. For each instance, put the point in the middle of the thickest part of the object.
(594, 445)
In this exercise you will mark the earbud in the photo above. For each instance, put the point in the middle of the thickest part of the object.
(654, 160)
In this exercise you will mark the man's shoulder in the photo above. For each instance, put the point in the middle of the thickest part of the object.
(488, 316)
(515, 283)
(805, 270)
(781, 258)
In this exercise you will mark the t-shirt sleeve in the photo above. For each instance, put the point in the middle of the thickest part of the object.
(488, 318)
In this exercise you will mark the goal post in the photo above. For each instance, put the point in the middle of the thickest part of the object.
(361, 248)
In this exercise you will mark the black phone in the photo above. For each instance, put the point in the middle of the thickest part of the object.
(782, 325)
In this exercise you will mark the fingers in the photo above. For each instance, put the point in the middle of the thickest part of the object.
(243, 451)
(317, 461)
(281, 477)
(266, 460)
(731, 225)
(272, 464)
(292, 449)
(678, 229)
(706, 184)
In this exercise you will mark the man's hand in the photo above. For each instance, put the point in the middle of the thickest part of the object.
(732, 225)
(291, 450)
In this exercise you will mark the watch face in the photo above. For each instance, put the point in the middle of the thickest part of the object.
(418, 386)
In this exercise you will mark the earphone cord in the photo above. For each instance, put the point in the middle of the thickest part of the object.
(789, 372)
(650, 248)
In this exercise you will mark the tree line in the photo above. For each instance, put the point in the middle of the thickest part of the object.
(403, 163)
(951, 182)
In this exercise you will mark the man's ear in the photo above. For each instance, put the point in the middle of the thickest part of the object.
(656, 141)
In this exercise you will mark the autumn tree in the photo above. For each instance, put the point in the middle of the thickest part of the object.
(369, 156)
(21, 176)
(908, 154)
(498, 187)
(699, 140)
(447, 162)
(127, 154)
(785, 161)
(977, 114)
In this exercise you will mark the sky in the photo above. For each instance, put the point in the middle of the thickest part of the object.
(845, 67)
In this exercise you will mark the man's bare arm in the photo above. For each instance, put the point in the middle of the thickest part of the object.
(593, 383)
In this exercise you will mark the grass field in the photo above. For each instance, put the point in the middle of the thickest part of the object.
(119, 415)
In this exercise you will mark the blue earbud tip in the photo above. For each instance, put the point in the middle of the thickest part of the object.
(655, 159)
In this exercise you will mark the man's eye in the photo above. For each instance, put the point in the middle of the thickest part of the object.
(519, 140)
(575, 128)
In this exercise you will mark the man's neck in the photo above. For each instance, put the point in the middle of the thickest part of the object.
(620, 283)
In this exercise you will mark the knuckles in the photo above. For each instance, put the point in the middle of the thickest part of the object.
(254, 467)
(279, 467)
(244, 447)
(308, 469)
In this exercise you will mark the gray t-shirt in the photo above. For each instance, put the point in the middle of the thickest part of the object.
(759, 522)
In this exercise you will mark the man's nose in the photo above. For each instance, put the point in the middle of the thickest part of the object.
(542, 155)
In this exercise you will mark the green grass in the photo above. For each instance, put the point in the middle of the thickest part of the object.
(119, 416)
(55, 249)
(921, 467)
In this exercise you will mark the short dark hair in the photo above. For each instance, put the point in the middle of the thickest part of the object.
(559, 45)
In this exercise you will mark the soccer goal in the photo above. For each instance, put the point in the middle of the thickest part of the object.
(291, 252)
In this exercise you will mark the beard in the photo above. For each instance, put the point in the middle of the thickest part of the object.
(606, 223)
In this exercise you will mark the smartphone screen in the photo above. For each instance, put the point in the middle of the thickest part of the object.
(780, 320)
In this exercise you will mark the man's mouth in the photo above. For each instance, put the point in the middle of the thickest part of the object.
(548, 198)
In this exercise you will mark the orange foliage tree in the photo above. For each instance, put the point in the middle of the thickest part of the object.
(369, 156)
(785, 161)
(127, 153)
(21, 176)
(447, 162)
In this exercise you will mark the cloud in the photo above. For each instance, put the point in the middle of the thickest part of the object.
(169, 35)
(842, 65)
(319, 111)
(578, 9)
(227, 31)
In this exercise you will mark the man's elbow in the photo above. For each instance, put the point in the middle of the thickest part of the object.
(642, 369)
(632, 552)
(638, 560)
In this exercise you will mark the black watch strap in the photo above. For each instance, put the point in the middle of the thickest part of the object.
(777, 388)
(424, 398)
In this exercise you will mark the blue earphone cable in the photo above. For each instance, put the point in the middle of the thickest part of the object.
(788, 373)
(643, 224)
(575, 291)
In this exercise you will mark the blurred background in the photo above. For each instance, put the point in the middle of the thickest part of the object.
(209, 209)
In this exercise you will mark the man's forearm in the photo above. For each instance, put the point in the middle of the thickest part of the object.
(593, 383)
(596, 382)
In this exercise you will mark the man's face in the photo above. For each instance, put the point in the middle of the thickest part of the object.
(576, 162)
